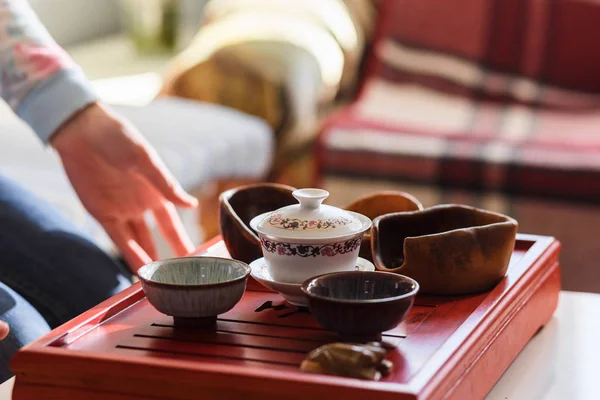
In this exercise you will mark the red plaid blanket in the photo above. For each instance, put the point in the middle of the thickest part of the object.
(496, 95)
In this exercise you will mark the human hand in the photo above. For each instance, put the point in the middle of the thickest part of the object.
(4, 330)
(118, 177)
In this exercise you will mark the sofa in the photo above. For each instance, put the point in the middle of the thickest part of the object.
(288, 62)
(202, 144)
(494, 104)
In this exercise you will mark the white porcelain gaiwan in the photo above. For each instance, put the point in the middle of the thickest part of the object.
(310, 238)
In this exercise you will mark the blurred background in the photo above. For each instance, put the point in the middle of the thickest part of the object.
(355, 96)
(122, 39)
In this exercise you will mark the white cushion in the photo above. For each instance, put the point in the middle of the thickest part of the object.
(202, 142)
(198, 142)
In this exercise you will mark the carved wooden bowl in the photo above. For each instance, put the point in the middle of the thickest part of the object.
(381, 203)
(239, 205)
(448, 249)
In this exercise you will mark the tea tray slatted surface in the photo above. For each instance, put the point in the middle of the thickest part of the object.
(447, 348)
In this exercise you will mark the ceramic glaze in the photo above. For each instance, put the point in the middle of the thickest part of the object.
(190, 272)
(308, 219)
(360, 305)
(292, 262)
(194, 287)
(309, 238)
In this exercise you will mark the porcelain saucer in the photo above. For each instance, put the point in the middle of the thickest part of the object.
(292, 292)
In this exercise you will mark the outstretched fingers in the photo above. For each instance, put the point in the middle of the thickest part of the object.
(172, 229)
(125, 239)
(144, 237)
(154, 170)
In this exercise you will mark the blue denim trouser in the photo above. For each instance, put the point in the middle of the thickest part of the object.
(49, 272)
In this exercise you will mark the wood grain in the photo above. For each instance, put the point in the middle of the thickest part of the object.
(447, 348)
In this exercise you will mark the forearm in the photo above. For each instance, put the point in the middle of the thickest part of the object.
(38, 79)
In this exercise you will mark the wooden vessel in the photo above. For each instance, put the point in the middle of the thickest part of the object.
(448, 347)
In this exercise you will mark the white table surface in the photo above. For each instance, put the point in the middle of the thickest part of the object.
(561, 362)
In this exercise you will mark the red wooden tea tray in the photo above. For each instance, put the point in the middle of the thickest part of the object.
(448, 348)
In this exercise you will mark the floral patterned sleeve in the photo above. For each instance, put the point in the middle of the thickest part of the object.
(37, 78)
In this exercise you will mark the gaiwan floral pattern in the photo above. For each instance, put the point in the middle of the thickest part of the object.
(278, 220)
(304, 250)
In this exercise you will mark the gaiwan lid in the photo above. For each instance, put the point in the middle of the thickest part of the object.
(310, 218)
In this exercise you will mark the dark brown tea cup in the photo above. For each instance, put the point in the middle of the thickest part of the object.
(360, 305)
